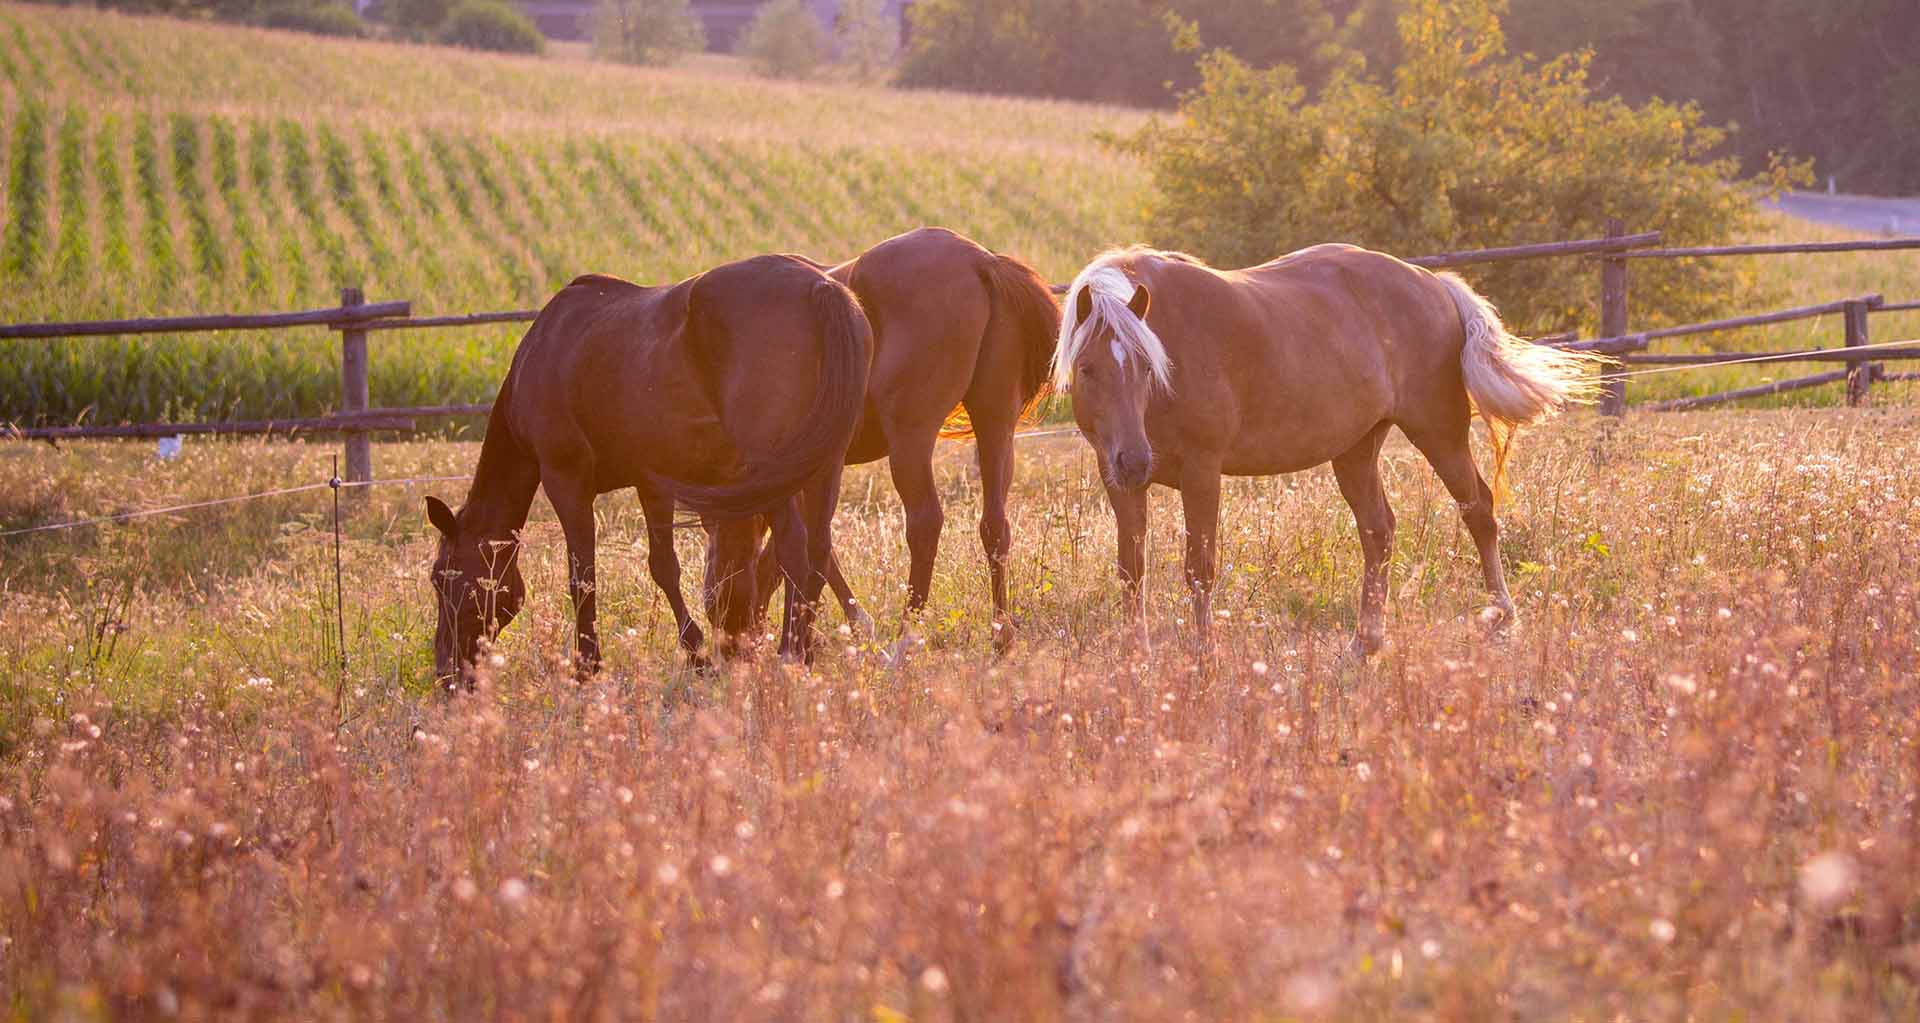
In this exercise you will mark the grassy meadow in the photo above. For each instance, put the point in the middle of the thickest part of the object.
(1682, 786)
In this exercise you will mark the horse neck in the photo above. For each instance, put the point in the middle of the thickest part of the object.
(503, 483)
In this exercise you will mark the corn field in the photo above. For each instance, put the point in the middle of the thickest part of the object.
(156, 167)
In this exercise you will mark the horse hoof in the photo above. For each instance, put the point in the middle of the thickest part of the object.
(1498, 619)
(1364, 646)
(1004, 633)
(863, 624)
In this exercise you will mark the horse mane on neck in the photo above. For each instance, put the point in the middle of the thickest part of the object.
(1108, 279)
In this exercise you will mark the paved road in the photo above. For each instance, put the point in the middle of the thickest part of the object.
(1866, 213)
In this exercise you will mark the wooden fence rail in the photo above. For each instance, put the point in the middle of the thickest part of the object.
(193, 324)
(354, 319)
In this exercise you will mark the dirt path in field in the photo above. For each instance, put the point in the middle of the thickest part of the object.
(1866, 213)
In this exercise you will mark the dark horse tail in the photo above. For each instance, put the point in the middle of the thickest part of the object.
(1022, 307)
(846, 346)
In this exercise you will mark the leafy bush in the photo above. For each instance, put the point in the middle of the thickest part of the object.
(866, 38)
(646, 31)
(785, 40)
(417, 19)
(491, 25)
(320, 19)
(1465, 149)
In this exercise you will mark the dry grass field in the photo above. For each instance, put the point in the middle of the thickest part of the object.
(1684, 786)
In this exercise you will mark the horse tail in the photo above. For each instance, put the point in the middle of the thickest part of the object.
(1022, 308)
(1510, 381)
(846, 350)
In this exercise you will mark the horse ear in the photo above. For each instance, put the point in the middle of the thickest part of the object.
(1083, 305)
(1139, 303)
(441, 516)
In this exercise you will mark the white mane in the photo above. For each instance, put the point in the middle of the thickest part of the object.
(1111, 289)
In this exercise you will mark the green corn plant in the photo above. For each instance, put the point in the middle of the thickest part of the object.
(343, 186)
(743, 189)
(298, 175)
(156, 235)
(35, 71)
(552, 272)
(424, 258)
(293, 268)
(209, 259)
(26, 193)
(226, 181)
(70, 250)
(116, 254)
(700, 197)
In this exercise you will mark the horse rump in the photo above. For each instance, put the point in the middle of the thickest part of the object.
(846, 347)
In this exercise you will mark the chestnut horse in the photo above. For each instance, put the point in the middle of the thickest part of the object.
(727, 393)
(1181, 373)
(956, 327)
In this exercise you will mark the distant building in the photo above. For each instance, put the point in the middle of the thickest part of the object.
(724, 19)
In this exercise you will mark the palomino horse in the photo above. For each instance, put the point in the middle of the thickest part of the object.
(1181, 373)
(955, 327)
(727, 392)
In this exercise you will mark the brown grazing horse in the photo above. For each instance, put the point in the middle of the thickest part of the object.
(1181, 373)
(956, 327)
(727, 393)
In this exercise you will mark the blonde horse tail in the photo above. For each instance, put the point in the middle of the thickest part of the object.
(1513, 382)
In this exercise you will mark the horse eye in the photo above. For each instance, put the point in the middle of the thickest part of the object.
(1089, 368)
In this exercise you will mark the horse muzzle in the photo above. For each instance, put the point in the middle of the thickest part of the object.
(1132, 470)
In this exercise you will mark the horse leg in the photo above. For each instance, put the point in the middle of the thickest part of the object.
(1451, 455)
(1358, 472)
(993, 445)
(766, 572)
(817, 503)
(572, 497)
(1130, 524)
(911, 461)
(790, 546)
(663, 564)
(857, 616)
(1200, 500)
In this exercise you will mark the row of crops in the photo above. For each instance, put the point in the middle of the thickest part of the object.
(115, 207)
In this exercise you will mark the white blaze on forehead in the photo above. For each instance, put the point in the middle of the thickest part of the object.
(1119, 353)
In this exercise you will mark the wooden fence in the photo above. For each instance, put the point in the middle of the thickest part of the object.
(354, 319)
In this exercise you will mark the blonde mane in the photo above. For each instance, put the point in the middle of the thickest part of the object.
(1111, 288)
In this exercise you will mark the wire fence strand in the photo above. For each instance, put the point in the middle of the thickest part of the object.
(332, 484)
(1774, 357)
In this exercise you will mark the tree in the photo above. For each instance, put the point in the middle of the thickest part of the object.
(785, 40)
(1139, 52)
(416, 18)
(646, 31)
(1466, 148)
(866, 37)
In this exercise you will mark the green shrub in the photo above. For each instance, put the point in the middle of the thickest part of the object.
(785, 40)
(491, 25)
(1137, 52)
(1465, 149)
(327, 19)
(866, 38)
(417, 19)
(646, 31)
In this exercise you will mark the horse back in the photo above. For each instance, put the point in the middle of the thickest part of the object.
(1284, 363)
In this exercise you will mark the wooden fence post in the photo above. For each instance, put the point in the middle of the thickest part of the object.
(1859, 374)
(1613, 315)
(353, 391)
